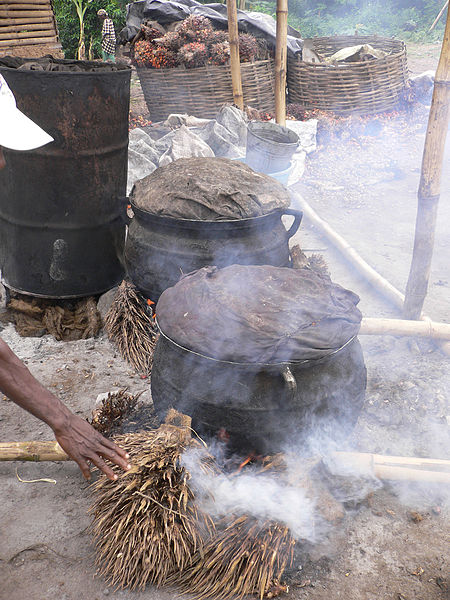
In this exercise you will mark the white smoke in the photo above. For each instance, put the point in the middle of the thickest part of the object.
(265, 497)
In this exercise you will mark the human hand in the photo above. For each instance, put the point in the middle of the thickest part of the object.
(85, 445)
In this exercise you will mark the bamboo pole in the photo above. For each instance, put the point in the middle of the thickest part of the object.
(441, 12)
(32, 451)
(394, 467)
(428, 328)
(351, 255)
(235, 62)
(430, 185)
(281, 62)
(379, 283)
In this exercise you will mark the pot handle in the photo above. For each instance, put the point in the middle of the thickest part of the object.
(291, 384)
(298, 215)
(124, 201)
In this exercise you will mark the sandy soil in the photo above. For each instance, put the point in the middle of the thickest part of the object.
(366, 188)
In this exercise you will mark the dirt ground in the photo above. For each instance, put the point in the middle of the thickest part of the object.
(365, 187)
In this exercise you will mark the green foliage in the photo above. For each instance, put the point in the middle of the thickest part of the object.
(69, 26)
(405, 19)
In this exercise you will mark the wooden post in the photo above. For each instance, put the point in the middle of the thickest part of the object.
(430, 185)
(281, 62)
(234, 54)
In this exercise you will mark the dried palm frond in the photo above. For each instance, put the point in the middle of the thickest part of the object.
(131, 327)
(247, 557)
(113, 409)
(145, 523)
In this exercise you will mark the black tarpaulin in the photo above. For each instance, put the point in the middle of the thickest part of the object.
(208, 189)
(259, 314)
(168, 11)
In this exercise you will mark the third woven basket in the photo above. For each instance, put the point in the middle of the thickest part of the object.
(361, 88)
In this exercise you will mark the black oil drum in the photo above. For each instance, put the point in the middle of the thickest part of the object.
(160, 249)
(61, 228)
(262, 407)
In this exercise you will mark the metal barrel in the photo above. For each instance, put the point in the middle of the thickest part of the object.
(61, 228)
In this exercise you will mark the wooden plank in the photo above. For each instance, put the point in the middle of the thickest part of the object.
(25, 42)
(11, 14)
(25, 34)
(25, 28)
(11, 38)
(37, 3)
(30, 21)
(25, 5)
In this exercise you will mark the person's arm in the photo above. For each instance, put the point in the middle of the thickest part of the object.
(75, 436)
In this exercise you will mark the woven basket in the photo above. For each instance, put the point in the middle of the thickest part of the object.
(202, 91)
(360, 88)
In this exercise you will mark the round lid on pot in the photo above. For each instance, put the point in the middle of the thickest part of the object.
(208, 189)
(258, 314)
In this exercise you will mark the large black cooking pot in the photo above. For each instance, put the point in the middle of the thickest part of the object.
(263, 407)
(159, 250)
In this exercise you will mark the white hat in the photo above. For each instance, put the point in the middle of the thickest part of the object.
(17, 131)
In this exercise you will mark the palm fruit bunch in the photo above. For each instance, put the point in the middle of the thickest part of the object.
(219, 53)
(248, 47)
(195, 29)
(193, 55)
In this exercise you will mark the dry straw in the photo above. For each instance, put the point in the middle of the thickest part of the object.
(146, 524)
(131, 327)
(247, 557)
(148, 529)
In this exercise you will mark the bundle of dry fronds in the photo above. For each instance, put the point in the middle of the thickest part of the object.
(130, 325)
(146, 524)
(113, 409)
(66, 320)
(247, 557)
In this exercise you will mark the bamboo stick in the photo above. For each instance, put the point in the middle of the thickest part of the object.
(428, 328)
(235, 62)
(430, 184)
(32, 451)
(351, 255)
(394, 467)
(381, 284)
(441, 12)
(281, 62)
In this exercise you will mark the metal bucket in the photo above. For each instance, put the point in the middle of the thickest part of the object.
(61, 228)
(269, 147)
